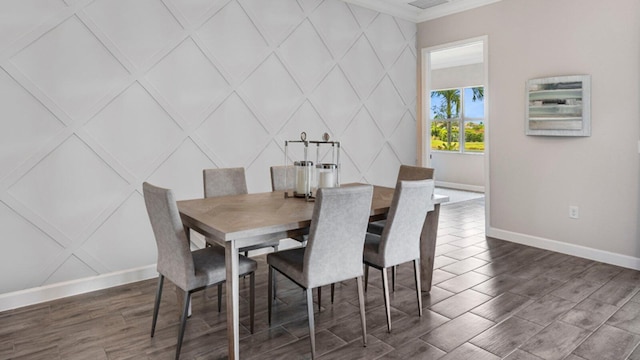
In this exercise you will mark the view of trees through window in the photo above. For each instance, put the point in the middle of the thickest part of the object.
(457, 119)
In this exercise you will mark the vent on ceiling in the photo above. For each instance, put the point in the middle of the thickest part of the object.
(425, 4)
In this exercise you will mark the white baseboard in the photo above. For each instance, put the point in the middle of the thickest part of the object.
(46, 293)
(456, 186)
(21, 298)
(566, 248)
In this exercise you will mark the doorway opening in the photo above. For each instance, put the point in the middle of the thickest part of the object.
(455, 117)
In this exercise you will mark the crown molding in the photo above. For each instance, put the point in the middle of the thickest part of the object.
(413, 14)
(389, 8)
(451, 8)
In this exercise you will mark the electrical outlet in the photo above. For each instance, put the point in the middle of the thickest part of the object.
(574, 212)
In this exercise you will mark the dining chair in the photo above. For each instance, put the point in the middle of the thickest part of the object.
(188, 270)
(400, 239)
(334, 249)
(409, 173)
(227, 182)
(282, 178)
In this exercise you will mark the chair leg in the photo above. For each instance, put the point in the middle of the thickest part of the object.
(363, 319)
(312, 332)
(270, 295)
(180, 299)
(246, 254)
(252, 298)
(183, 322)
(385, 290)
(319, 297)
(220, 297)
(333, 291)
(416, 271)
(273, 278)
(366, 276)
(393, 278)
(156, 305)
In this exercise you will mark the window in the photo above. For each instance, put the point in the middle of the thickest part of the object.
(457, 120)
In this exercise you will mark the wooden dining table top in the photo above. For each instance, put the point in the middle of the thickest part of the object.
(235, 217)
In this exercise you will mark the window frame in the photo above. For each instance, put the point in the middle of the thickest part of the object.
(461, 119)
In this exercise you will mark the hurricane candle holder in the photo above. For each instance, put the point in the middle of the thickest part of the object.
(303, 178)
(306, 181)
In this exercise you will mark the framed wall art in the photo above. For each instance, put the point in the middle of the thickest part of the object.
(559, 106)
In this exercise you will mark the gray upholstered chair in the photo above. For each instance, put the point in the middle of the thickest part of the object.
(282, 176)
(334, 249)
(227, 182)
(410, 173)
(400, 239)
(189, 271)
(282, 179)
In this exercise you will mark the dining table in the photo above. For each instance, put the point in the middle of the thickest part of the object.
(242, 220)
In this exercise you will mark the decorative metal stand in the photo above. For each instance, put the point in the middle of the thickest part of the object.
(306, 181)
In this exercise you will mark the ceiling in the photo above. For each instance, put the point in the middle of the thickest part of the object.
(428, 10)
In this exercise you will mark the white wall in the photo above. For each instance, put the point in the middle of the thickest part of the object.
(459, 171)
(454, 169)
(98, 96)
(534, 179)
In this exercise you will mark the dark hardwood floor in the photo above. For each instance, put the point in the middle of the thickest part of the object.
(491, 300)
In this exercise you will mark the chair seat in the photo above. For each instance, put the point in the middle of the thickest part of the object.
(289, 262)
(210, 267)
(373, 256)
(376, 227)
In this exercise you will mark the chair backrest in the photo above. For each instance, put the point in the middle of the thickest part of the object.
(175, 260)
(336, 236)
(400, 240)
(411, 173)
(282, 177)
(224, 182)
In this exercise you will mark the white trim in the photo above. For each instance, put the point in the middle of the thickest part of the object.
(402, 11)
(566, 248)
(408, 12)
(46, 293)
(487, 135)
(452, 7)
(426, 105)
(456, 186)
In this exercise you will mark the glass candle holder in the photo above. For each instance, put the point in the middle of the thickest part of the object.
(303, 178)
(327, 175)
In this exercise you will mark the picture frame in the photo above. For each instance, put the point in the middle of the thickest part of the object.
(558, 106)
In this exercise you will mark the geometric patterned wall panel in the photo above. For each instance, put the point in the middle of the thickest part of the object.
(97, 96)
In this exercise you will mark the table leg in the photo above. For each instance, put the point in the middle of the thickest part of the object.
(180, 292)
(428, 247)
(233, 299)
